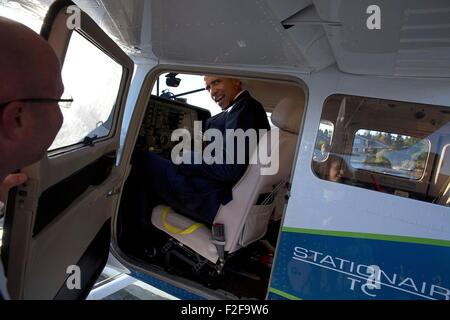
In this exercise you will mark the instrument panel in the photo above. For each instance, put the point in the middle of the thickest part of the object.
(162, 117)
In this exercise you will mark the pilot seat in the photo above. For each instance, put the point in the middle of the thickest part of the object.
(245, 218)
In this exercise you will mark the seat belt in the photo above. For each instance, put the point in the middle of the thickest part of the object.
(218, 238)
(175, 230)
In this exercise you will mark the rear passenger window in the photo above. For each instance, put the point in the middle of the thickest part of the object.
(92, 79)
(399, 148)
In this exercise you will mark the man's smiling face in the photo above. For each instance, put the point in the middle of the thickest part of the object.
(222, 90)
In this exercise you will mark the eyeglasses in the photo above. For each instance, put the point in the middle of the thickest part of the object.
(63, 103)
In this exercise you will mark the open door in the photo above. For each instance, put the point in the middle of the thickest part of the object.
(58, 225)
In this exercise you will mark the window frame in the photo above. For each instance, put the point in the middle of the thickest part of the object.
(59, 40)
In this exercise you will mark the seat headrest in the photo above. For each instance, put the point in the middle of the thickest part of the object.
(287, 114)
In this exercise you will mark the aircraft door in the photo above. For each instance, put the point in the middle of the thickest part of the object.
(58, 224)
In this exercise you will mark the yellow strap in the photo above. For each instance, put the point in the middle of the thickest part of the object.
(175, 230)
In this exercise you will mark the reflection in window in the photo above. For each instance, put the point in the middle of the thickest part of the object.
(388, 153)
(323, 141)
(398, 148)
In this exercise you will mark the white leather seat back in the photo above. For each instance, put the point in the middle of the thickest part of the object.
(244, 220)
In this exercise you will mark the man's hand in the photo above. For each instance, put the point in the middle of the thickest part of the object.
(12, 180)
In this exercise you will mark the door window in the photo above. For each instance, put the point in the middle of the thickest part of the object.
(92, 79)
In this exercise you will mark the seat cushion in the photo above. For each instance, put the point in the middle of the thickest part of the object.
(199, 239)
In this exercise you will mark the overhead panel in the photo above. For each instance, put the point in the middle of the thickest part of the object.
(222, 32)
(309, 35)
(306, 28)
(413, 39)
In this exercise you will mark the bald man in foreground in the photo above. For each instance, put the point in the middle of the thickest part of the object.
(30, 117)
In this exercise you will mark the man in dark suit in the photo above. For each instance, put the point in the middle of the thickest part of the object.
(198, 190)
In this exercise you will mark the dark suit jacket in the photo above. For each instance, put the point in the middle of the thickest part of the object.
(199, 189)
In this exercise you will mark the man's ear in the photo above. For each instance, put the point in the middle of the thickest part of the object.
(237, 83)
(12, 119)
